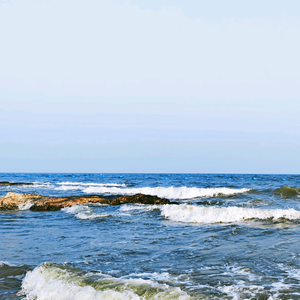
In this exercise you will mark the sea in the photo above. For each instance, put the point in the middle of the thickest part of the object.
(232, 236)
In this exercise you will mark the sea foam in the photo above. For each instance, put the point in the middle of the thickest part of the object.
(26, 205)
(136, 207)
(50, 281)
(203, 214)
(167, 192)
(66, 186)
(83, 212)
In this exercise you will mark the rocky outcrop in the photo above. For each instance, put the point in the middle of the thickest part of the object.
(139, 198)
(53, 203)
(7, 183)
(42, 203)
(16, 201)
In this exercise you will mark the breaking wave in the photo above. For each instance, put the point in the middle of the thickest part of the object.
(52, 281)
(167, 192)
(203, 214)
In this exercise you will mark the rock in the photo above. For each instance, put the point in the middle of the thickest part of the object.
(7, 183)
(49, 203)
(139, 198)
(42, 203)
(15, 200)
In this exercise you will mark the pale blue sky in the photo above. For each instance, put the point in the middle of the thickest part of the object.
(150, 86)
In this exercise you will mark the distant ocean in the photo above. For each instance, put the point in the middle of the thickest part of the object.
(230, 237)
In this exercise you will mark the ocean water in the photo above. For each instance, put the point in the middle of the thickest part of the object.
(231, 237)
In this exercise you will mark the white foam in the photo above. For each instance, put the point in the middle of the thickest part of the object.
(65, 186)
(83, 212)
(83, 216)
(167, 192)
(203, 214)
(52, 282)
(133, 207)
(235, 291)
(25, 206)
(293, 273)
(240, 271)
(154, 276)
(34, 185)
(68, 188)
(91, 183)
(41, 185)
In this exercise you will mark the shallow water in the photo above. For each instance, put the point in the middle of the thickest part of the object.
(231, 237)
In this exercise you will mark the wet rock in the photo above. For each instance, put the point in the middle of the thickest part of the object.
(140, 199)
(15, 200)
(42, 203)
(7, 183)
(51, 203)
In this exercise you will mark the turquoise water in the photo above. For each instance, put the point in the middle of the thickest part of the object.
(231, 237)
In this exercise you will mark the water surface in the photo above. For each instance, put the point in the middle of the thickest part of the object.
(231, 237)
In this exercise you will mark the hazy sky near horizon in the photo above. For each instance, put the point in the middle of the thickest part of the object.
(150, 86)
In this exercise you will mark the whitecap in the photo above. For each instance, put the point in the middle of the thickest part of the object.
(83, 212)
(50, 281)
(204, 214)
(72, 186)
(91, 183)
(167, 192)
(135, 207)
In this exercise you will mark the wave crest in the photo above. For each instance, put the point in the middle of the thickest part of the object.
(168, 192)
(203, 214)
(83, 212)
(51, 281)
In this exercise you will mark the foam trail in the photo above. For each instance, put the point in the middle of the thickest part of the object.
(83, 212)
(135, 207)
(167, 192)
(91, 183)
(203, 214)
(67, 186)
(50, 281)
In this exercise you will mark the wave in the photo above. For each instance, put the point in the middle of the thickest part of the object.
(66, 186)
(288, 192)
(202, 214)
(91, 183)
(83, 212)
(52, 281)
(30, 185)
(168, 192)
(134, 207)
(8, 272)
(26, 205)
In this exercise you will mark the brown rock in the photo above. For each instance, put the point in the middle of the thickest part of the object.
(57, 203)
(139, 198)
(16, 200)
(41, 203)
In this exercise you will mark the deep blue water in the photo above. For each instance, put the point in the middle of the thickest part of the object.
(231, 237)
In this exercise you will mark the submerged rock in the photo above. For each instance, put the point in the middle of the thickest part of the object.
(7, 183)
(42, 203)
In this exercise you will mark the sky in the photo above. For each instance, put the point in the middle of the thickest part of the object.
(177, 86)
